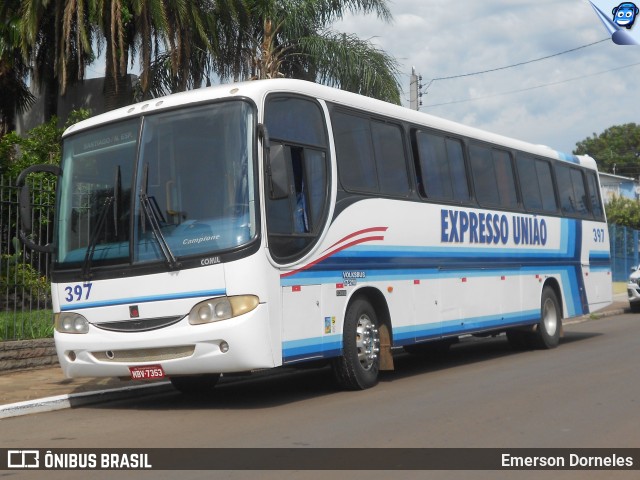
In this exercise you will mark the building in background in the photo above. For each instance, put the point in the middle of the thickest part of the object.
(617, 186)
(88, 94)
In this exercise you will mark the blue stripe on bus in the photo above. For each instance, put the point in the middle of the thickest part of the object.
(410, 334)
(568, 157)
(397, 257)
(331, 346)
(317, 347)
(146, 299)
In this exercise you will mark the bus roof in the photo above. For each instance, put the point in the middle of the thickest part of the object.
(259, 89)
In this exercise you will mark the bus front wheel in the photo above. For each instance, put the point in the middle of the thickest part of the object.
(357, 368)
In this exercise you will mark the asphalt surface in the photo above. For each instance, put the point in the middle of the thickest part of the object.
(46, 389)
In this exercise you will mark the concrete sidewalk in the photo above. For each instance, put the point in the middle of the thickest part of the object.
(46, 389)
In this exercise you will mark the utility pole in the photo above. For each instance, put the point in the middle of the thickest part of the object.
(415, 85)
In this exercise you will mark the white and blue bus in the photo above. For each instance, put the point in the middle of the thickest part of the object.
(269, 223)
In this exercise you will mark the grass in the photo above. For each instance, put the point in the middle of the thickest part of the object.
(26, 325)
(619, 287)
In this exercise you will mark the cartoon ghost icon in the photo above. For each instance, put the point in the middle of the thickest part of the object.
(624, 15)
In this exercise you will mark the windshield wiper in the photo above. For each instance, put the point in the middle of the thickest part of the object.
(150, 213)
(114, 201)
(93, 239)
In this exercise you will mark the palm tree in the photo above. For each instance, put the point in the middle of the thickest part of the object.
(56, 37)
(292, 38)
(175, 42)
(114, 19)
(179, 44)
(15, 96)
(199, 42)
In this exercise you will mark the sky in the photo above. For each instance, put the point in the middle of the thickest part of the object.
(558, 102)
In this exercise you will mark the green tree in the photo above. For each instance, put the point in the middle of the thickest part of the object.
(59, 36)
(624, 212)
(293, 38)
(15, 96)
(179, 45)
(194, 46)
(41, 144)
(57, 39)
(616, 150)
(176, 42)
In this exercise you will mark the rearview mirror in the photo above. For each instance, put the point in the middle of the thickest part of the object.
(24, 200)
(278, 172)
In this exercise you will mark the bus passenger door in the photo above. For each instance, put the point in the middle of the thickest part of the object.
(296, 189)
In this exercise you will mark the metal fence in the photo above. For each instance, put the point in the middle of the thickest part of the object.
(624, 251)
(25, 297)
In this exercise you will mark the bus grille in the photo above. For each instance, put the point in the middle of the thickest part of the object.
(145, 354)
(139, 325)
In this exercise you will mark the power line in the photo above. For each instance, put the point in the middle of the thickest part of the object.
(533, 88)
(515, 64)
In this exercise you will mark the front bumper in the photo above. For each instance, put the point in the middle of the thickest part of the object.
(181, 348)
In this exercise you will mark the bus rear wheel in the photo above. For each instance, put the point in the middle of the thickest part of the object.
(357, 368)
(195, 384)
(547, 334)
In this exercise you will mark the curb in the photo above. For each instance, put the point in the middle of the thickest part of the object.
(596, 316)
(60, 402)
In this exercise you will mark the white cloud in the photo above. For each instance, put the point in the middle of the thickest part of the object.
(442, 38)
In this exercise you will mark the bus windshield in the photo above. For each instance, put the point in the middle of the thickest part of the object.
(158, 188)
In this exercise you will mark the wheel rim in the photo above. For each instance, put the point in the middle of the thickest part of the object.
(550, 317)
(367, 342)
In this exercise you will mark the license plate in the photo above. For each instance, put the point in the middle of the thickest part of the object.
(146, 372)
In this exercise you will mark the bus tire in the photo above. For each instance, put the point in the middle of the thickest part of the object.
(547, 333)
(195, 384)
(358, 367)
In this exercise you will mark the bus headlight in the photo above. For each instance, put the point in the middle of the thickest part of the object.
(223, 308)
(67, 322)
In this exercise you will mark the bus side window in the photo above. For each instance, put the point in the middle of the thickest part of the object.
(545, 180)
(299, 192)
(371, 155)
(531, 196)
(573, 197)
(441, 169)
(457, 170)
(432, 166)
(354, 151)
(390, 158)
(484, 175)
(505, 178)
(493, 176)
(594, 195)
(536, 183)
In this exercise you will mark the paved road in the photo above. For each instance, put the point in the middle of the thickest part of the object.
(586, 393)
